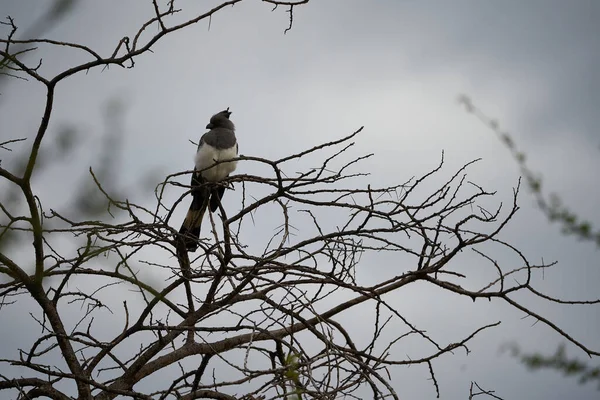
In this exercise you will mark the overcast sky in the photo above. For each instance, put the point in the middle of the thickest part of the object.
(396, 67)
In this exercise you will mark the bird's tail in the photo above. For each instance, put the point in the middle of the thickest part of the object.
(190, 228)
(215, 198)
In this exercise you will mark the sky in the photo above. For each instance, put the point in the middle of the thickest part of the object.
(394, 67)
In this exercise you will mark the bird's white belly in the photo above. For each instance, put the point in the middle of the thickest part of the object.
(208, 155)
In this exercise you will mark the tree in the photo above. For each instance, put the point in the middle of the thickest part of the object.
(571, 223)
(240, 319)
(549, 203)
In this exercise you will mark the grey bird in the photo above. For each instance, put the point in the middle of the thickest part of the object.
(217, 145)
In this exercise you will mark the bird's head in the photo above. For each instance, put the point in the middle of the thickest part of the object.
(221, 120)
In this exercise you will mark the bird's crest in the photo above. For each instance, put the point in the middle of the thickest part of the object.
(227, 113)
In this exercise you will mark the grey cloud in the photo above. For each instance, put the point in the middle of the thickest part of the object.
(395, 67)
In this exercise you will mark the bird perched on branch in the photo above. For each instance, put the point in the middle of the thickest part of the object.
(216, 147)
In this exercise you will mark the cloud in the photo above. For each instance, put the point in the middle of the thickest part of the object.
(395, 67)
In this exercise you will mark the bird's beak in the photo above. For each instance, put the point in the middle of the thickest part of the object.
(210, 126)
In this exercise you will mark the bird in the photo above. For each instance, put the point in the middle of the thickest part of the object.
(217, 145)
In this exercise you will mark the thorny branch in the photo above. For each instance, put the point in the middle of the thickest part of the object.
(273, 293)
(550, 204)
